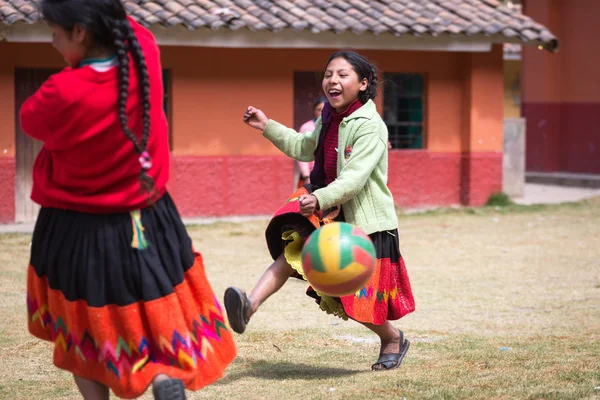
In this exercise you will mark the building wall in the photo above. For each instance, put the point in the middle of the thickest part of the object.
(223, 167)
(561, 100)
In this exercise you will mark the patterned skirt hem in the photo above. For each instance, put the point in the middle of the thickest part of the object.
(183, 335)
(375, 303)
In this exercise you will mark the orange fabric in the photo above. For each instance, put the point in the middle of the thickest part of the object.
(183, 335)
(386, 296)
(301, 182)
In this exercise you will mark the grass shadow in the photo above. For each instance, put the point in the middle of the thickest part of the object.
(277, 370)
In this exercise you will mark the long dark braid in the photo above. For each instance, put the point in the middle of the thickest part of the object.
(142, 70)
(123, 60)
(371, 91)
(106, 22)
(125, 40)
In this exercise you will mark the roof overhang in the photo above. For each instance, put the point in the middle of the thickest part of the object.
(244, 38)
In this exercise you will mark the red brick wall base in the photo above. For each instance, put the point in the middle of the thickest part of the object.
(420, 178)
(224, 186)
(481, 176)
(8, 169)
(220, 186)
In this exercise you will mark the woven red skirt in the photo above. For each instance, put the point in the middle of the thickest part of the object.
(386, 296)
(124, 297)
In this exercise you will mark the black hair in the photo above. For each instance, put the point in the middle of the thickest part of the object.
(106, 22)
(319, 100)
(363, 68)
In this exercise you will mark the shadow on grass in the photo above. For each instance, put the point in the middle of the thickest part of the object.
(277, 370)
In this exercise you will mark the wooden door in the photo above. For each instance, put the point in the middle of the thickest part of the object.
(307, 89)
(27, 81)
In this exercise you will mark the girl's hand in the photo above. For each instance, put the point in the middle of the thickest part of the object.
(255, 118)
(308, 204)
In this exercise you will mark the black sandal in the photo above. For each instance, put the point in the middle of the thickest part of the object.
(170, 389)
(392, 360)
(237, 305)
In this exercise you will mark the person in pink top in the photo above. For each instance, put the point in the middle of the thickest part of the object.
(302, 169)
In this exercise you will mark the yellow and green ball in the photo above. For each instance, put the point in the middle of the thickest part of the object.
(338, 259)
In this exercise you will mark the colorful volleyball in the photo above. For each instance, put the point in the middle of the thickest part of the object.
(338, 259)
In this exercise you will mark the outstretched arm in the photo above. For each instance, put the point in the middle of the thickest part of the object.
(296, 145)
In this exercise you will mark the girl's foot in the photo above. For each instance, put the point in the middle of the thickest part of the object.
(237, 305)
(392, 353)
(165, 388)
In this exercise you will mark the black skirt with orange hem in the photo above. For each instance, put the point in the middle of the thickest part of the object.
(124, 297)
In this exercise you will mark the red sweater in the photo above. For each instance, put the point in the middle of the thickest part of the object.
(87, 163)
(331, 141)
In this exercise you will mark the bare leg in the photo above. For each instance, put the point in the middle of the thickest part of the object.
(240, 307)
(390, 341)
(91, 390)
(390, 337)
(270, 282)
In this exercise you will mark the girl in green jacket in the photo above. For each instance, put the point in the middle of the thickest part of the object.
(348, 183)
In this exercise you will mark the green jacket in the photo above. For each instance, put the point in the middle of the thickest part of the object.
(362, 167)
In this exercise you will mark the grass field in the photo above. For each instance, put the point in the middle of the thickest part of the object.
(508, 307)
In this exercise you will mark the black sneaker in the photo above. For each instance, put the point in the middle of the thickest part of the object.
(170, 389)
(237, 305)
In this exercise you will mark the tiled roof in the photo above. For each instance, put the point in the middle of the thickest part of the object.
(472, 18)
(512, 51)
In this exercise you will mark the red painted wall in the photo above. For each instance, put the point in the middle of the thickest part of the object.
(7, 140)
(7, 189)
(561, 100)
(220, 186)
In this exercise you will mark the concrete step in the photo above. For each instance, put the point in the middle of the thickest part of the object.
(564, 179)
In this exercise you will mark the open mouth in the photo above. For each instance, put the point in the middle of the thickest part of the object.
(334, 93)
